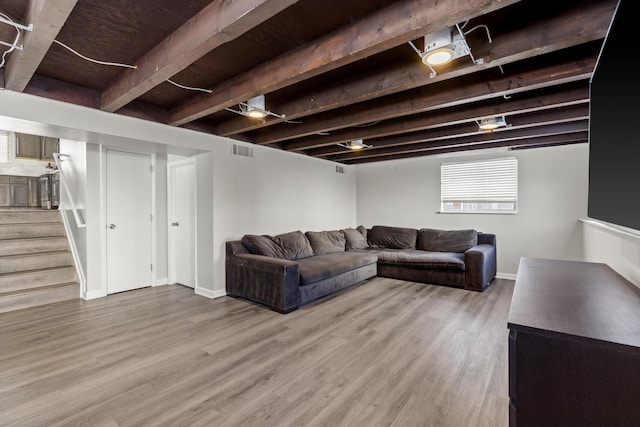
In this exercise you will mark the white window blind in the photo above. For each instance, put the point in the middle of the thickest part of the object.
(480, 186)
(5, 147)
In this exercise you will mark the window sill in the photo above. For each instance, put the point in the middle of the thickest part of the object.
(478, 212)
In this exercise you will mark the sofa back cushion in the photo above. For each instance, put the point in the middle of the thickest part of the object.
(326, 242)
(293, 245)
(381, 236)
(355, 239)
(430, 239)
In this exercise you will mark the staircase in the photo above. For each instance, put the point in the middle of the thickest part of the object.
(36, 266)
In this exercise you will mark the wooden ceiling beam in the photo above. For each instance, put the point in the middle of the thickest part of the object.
(424, 143)
(423, 100)
(586, 24)
(417, 122)
(218, 23)
(47, 18)
(394, 25)
(469, 127)
(47, 87)
(543, 141)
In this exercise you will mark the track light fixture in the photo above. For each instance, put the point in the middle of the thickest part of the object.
(442, 47)
(254, 108)
(356, 144)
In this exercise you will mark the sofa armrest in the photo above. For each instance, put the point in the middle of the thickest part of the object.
(480, 266)
(270, 281)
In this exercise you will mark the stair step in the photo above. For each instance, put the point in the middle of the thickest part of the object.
(15, 263)
(13, 216)
(41, 296)
(25, 280)
(28, 231)
(33, 245)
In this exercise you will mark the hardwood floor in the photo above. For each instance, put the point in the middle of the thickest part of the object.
(385, 353)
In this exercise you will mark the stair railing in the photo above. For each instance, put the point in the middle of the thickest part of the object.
(79, 224)
(63, 183)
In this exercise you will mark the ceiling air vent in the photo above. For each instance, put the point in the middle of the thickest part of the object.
(339, 169)
(241, 150)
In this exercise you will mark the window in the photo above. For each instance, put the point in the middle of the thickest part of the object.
(487, 186)
(5, 147)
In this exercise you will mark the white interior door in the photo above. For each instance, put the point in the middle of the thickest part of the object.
(182, 229)
(128, 201)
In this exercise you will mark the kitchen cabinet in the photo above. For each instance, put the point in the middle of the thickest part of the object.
(19, 191)
(48, 147)
(35, 147)
(33, 194)
(5, 191)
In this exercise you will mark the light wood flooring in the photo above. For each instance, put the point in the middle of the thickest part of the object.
(384, 353)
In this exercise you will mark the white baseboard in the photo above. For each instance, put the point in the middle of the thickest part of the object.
(218, 294)
(210, 294)
(161, 282)
(507, 276)
(94, 294)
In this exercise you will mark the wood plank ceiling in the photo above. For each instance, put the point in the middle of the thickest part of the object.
(331, 72)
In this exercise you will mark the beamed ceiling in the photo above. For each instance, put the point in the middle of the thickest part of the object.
(331, 72)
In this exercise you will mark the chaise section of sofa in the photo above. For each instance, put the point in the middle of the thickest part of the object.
(460, 258)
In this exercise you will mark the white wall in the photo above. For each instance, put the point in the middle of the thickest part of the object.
(274, 192)
(552, 195)
(615, 246)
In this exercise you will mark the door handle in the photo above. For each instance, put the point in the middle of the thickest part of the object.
(112, 226)
(175, 224)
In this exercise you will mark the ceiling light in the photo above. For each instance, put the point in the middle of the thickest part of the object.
(255, 108)
(441, 47)
(491, 123)
(357, 144)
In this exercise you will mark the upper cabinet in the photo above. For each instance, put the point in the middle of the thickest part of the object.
(35, 147)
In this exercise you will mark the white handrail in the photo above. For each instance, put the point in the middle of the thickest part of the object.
(79, 222)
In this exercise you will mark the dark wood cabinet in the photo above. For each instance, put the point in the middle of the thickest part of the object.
(574, 346)
(5, 190)
(28, 146)
(48, 147)
(33, 193)
(19, 191)
(36, 147)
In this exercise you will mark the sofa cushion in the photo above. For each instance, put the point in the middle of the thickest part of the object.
(430, 239)
(292, 246)
(392, 237)
(326, 242)
(322, 267)
(354, 239)
(422, 259)
(262, 245)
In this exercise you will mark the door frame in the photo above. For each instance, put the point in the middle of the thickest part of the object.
(103, 214)
(171, 268)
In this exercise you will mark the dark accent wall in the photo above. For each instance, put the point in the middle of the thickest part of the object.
(614, 128)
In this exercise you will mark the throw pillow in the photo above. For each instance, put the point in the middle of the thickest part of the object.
(392, 237)
(326, 242)
(263, 245)
(430, 239)
(354, 239)
(294, 245)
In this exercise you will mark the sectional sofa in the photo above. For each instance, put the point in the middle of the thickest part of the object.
(289, 270)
